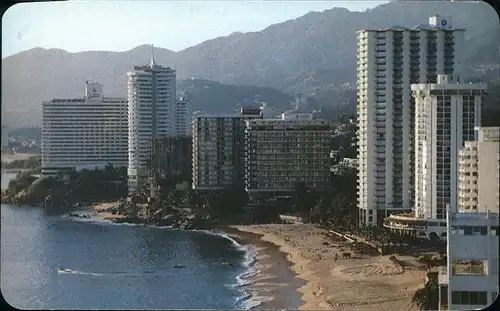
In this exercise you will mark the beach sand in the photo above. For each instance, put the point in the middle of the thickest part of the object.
(297, 270)
(105, 215)
(275, 285)
(7, 158)
(371, 283)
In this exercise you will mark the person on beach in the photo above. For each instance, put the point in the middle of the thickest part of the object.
(336, 257)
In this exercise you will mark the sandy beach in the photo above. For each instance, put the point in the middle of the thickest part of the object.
(274, 285)
(370, 283)
(98, 209)
(295, 268)
(7, 158)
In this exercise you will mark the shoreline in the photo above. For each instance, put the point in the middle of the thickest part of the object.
(294, 268)
(373, 282)
(100, 208)
(269, 281)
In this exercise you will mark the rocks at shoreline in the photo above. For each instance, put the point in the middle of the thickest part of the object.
(186, 219)
(174, 221)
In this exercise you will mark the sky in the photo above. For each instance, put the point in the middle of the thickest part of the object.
(120, 25)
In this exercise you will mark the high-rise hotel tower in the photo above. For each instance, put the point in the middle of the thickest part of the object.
(151, 114)
(446, 115)
(85, 132)
(388, 62)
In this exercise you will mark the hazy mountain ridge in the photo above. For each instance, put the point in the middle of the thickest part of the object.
(313, 53)
(210, 96)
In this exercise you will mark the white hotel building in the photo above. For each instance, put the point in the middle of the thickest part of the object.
(151, 110)
(479, 164)
(86, 132)
(446, 115)
(388, 62)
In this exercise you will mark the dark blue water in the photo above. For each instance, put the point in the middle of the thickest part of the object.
(114, 266)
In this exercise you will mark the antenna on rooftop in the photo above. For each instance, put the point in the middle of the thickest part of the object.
(152, 57)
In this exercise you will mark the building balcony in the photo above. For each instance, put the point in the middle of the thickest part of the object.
(405, 221)
(443, 275)
(469, 268)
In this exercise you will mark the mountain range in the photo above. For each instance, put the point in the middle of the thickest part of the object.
(313, 56)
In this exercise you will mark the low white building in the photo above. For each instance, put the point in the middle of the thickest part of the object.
(86, 132)
(470, 279)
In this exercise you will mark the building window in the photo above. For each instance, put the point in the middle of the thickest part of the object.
(469, 298)
(473, 230)
(468, 230)
(469, 267)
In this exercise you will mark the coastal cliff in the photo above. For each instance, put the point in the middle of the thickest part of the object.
(186, 209)
(156, 214)
(70, 189)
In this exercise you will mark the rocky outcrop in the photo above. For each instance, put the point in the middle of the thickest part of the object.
(186, 219)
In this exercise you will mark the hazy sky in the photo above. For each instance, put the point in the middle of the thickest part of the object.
(121, 25)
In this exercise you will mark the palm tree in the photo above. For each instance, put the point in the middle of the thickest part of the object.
(427, 298)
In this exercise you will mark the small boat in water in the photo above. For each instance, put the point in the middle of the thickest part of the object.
(64, 270)
(179, 266)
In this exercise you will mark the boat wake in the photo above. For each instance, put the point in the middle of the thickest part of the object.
(246, 301)
(69, 271)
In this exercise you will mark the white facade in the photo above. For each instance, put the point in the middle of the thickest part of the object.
(479, 165)
(388, 62)
(470, 280)
(218, 149)
(446, 114)
(5, 137)
(85, 132)
(280, 154)
(182, 118)
(297, 116)
(151, 109)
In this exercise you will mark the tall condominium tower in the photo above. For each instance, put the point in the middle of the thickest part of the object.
(151, 109)
(182, 117)
(282, 153)
(219, 149)
(478, 181)
(388, 62)
(446, 114)
(85, 132)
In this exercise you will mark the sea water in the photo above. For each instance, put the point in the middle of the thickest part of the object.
(117, 266)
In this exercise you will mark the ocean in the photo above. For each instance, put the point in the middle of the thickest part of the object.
(117, 265)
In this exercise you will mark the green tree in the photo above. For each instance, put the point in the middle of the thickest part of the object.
(427, 298)
(301, 203)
